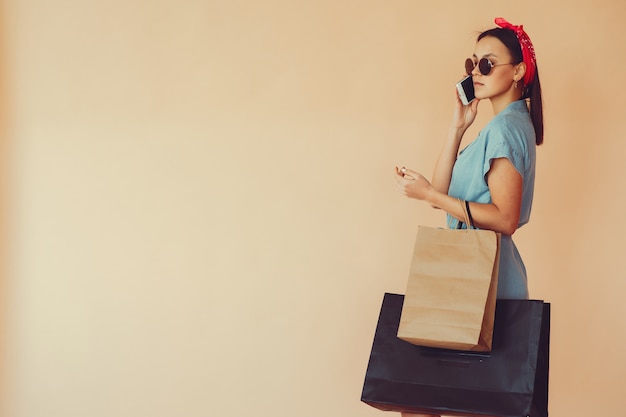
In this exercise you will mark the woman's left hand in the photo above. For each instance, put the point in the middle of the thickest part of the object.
(412, 184)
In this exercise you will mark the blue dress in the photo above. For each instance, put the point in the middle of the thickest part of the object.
(510, 134)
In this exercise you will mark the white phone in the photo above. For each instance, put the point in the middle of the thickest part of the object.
(465, 87)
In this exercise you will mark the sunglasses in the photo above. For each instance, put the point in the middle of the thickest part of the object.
(484, 66)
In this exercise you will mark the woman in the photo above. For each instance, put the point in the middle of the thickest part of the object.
(494, 175)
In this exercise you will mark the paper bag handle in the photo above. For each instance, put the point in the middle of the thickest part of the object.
(466, 214)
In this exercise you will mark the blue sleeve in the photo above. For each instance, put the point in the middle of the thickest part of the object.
(504, 141)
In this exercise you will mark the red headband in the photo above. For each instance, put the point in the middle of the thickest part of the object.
(528, 51)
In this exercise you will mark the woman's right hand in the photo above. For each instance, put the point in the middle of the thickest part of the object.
(464, 116)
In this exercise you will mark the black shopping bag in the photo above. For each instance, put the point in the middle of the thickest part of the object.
(509, 381)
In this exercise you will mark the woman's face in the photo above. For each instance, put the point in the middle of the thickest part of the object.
(500, 80)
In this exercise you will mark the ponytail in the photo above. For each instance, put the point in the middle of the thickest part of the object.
(536, 107)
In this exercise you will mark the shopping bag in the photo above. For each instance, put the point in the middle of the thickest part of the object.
(509, 381)
(451, 289)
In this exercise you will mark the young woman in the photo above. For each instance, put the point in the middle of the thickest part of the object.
(494, 175)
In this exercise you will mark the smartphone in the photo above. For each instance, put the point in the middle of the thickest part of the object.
(465, 87)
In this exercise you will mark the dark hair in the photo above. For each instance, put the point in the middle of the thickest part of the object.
(532, 92)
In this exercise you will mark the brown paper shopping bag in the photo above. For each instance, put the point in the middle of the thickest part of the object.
(451, 291)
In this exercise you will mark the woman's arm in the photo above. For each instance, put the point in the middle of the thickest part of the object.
(501, 215)
(442, 174)
(505, 186)
(463, 117)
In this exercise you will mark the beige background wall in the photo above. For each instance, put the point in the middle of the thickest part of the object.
(202, 219)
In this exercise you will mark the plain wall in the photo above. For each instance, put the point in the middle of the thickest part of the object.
(200, 213)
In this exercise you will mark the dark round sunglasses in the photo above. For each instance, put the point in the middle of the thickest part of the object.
(484, 66)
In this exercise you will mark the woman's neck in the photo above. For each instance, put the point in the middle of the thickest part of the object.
(502, 101)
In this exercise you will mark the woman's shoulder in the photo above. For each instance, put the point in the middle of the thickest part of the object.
(511, 124)
(511, 135)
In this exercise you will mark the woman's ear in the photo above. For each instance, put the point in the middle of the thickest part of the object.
(520, 71)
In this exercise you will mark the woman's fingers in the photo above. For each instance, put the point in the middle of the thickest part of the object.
(404, 172)
(405, 179)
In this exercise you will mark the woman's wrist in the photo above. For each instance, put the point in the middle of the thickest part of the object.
(435, 198)
(455, 132)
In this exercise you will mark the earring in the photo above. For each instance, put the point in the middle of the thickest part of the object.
(515, 84)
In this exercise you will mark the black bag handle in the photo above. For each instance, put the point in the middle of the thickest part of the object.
(467, 214)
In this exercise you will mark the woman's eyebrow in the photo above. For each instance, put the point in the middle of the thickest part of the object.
(489, 55)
